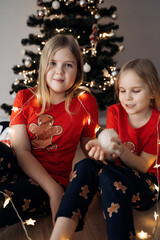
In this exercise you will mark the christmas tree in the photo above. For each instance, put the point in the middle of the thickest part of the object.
(87, 21)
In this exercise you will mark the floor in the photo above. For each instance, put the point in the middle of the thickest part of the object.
(95, 227)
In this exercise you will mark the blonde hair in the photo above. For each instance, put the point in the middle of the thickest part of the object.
(56, 43)
(145, 69)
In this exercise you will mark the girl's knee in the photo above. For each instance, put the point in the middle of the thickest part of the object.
(87, 164)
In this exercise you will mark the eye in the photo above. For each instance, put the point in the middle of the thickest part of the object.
(136, 91)
(68, 65)
(121, 90)
(53, 63)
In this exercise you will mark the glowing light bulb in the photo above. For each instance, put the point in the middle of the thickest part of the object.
(156, 187)
(97, 128)
(81, 93)
(143, 235)
(30, 222)
(156, 215)
(6, 202)
(89, 120)
(157, 166)
(15, 109)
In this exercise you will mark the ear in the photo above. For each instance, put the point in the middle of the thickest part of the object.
(152, 95)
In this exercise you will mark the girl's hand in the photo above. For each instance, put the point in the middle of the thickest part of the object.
(117, 148)
(55, 200)
(95, 151)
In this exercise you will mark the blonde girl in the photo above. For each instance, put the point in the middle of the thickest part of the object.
(132, 181)
(47, 123)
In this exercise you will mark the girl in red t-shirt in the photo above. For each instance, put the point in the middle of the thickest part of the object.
(47, 123)
(132, 180)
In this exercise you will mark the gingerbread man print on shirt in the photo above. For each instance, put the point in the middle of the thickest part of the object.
(44, 131)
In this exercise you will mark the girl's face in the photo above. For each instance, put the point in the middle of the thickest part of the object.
(62, 73)
(134, 93)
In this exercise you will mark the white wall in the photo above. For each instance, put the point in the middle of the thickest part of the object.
(138, 22)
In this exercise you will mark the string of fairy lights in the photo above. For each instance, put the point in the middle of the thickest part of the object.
(142, 234)
(109, 75)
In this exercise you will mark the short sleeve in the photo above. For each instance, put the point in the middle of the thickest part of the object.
(112, 118)
(17, 116)
(90, 107)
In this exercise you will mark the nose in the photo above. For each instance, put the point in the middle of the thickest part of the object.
(128, 95)
(60, 70)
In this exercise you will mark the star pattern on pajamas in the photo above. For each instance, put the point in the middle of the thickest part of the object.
(84, 192)
(76, 216)
(113, 208)
(120, 186)
(135, 198)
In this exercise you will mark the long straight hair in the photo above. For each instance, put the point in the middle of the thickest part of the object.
(145, 69)
(56, 43)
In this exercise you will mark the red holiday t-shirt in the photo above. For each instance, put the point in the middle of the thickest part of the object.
(136, 139)
(55, 134)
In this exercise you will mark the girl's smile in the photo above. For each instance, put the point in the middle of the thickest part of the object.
(61, 74)
(135, 96)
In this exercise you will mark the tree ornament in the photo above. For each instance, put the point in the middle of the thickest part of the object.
(121, 48)
(94, 38)
(40, 13)
(55, 5)
(97, 16)
(16, 82)
(86, 67)
(105, 72)
(114, 73)
(82, 3)
(114, 16)
(28, 63)
(46, 12)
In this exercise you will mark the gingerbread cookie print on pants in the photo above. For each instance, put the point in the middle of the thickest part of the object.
(44, 131)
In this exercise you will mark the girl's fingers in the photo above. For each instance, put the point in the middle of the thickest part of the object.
(97, 153)
(92, 152)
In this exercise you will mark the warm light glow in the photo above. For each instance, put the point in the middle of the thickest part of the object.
(15, 109)
(89, 120)
(156, 187)
(97, 128)
(30, 222)
(157, 166)
(81, 93)
(143, 235)
(6, 202)
(156, 215)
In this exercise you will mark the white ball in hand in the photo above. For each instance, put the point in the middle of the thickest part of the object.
(105, 138)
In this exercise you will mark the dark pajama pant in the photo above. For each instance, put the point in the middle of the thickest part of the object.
(27, 196)
(121, 189)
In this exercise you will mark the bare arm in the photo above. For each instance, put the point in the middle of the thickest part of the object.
(21, 145)
(142, 162)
